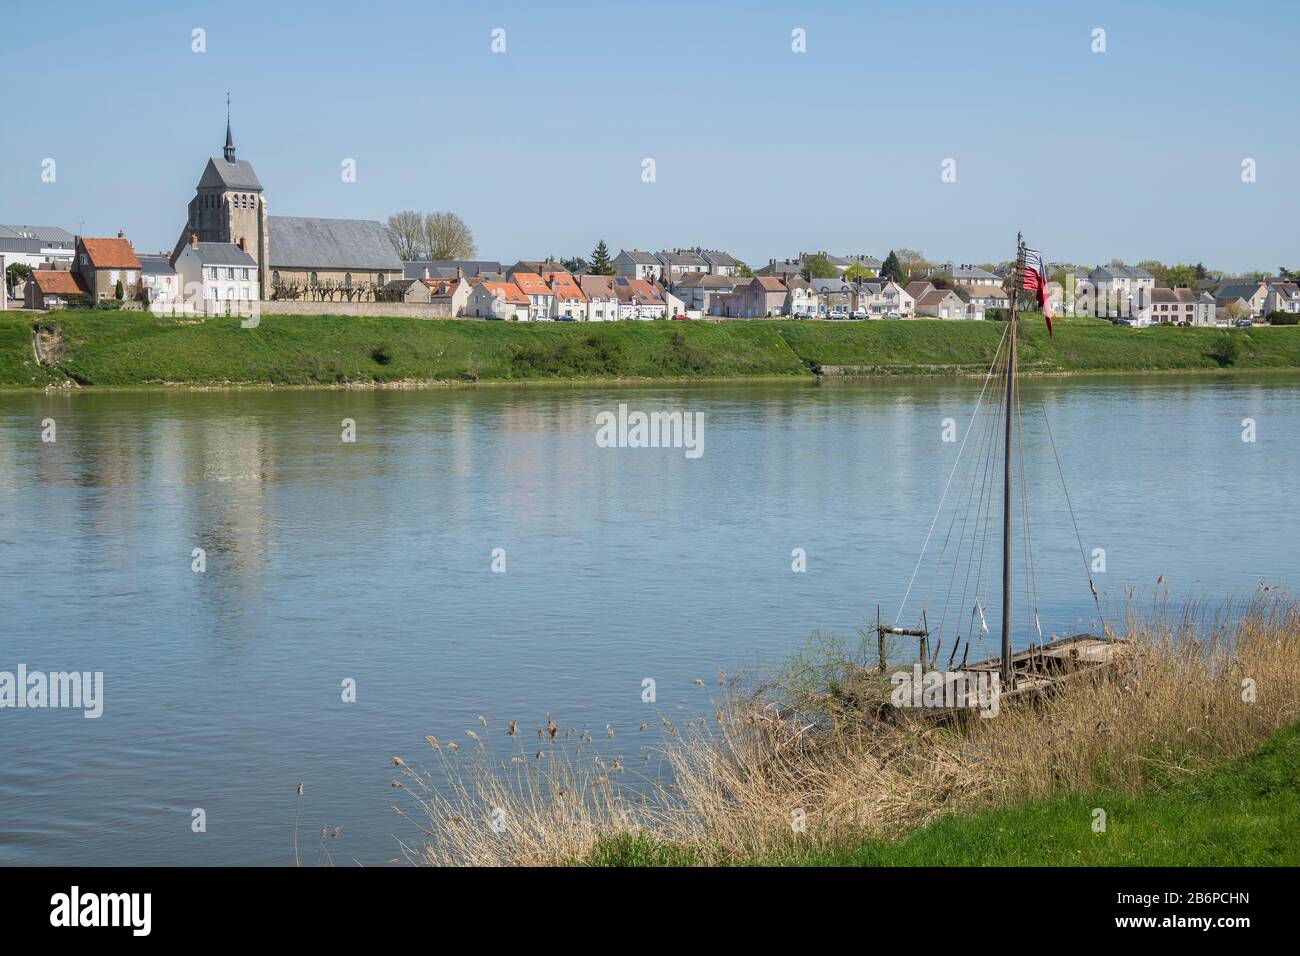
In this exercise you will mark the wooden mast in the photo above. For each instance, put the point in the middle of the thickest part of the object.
(1007, 509)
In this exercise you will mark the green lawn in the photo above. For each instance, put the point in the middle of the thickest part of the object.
(1246, 813)
(126, 349)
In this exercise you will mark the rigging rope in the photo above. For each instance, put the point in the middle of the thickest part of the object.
(939, 510)
(1082, 554)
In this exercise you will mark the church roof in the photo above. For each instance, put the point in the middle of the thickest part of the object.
(298, 242)
(236, 175)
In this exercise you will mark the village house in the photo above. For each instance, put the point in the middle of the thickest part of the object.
(217, 276)
(697, 289)
(52, 289)
(1122, 291)
(540, 298)
(1228, 309)
(941, 304)
(103, 263)
(780, 268)
(635, 264)
(569, 302)
(499, 300)
(602, 300)
(680, 262)
(720, 263)
(452, 294)
(406, 290)
(536, 267)
(1179, 306)
(801, 297)
(988, 297)
(968, 275)
(1282, 296)
(639, 299)
(158, 283)
(1253, 293)
(763, 296)
(877, 299)
(834, 298)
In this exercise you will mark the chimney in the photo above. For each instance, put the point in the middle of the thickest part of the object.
(243, 246)
(460, 273)
(120, 234)
(194, 238)
(426, 272)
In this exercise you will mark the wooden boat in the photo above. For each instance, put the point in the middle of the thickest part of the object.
(1039, 669)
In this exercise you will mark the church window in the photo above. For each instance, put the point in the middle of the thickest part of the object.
(347, 279)
(314, 279)
(275, 277)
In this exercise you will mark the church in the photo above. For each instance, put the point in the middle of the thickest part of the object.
(296, 257)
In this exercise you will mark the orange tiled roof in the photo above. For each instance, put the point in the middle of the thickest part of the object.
(530, 283)
(56, 282)
(564, 286)
(508, 291)
(110, 253)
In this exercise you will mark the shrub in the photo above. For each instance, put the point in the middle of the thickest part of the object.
(381, 354)
(1283, 318)
(1227, 349)
(995, 315)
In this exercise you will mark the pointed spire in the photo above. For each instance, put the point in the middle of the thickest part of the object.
(229, 151)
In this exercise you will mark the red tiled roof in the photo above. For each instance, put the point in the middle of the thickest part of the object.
(57, 282)
(509, 292)
(530, 283)
(110, 253)
(564, 286)
(771, 283)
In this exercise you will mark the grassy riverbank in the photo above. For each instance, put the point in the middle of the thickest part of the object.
(1244, 813)
(799, 773)
(133, 349)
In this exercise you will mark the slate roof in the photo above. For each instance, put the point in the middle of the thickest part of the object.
(222, 254)
(446, 268)
(719, 259)
(1119, 272)
(155, 265)
(973, 273)
(680, 257)
(639, 257)
(1245, 290)
(236, 175)
(835, 286)
(299, 242)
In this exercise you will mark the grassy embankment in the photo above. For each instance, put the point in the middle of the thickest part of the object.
(1164, 749)
(131, 349)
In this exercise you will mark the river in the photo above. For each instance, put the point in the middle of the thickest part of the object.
(328, 565)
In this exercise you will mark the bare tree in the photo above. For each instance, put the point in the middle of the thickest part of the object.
(406, 230)
(447, 237)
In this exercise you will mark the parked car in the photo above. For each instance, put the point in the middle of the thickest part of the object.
(565, 318)
(680, 318)
(1244, 323)
(1128, 322)
(892, 315)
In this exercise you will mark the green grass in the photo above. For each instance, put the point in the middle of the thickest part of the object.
(131, 349)
(1245, 813)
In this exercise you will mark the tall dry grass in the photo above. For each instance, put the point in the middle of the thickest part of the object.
(728, 788)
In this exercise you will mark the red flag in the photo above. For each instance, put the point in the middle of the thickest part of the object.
(1035, 280)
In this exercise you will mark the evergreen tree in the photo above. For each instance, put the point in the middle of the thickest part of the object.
(118, 292)
(892, 268)
(600, 262)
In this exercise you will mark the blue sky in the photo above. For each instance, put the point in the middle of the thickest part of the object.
(1133, 153)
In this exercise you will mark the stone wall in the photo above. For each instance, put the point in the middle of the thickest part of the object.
(409, 310)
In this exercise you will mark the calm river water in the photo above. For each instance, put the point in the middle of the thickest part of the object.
(372, 561)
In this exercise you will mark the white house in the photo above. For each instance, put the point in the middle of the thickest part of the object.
(568, 301)
(499, 300)
(1122, 291)
(602, 300)
(217, 276)
(636, 264)
(159, 284)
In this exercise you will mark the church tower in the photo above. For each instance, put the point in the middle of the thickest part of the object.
(228, 206)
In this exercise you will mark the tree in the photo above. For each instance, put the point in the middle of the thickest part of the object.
(406, 230)
(119, 293)
(891, 268)
(1201, 272)
(743, 270)
(574, 264)
(912, 262)
(818, 267)
(15, 273)
(1290, 275)
(600, 261)
(857, 272)
(447, 237)
(1180, 275)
